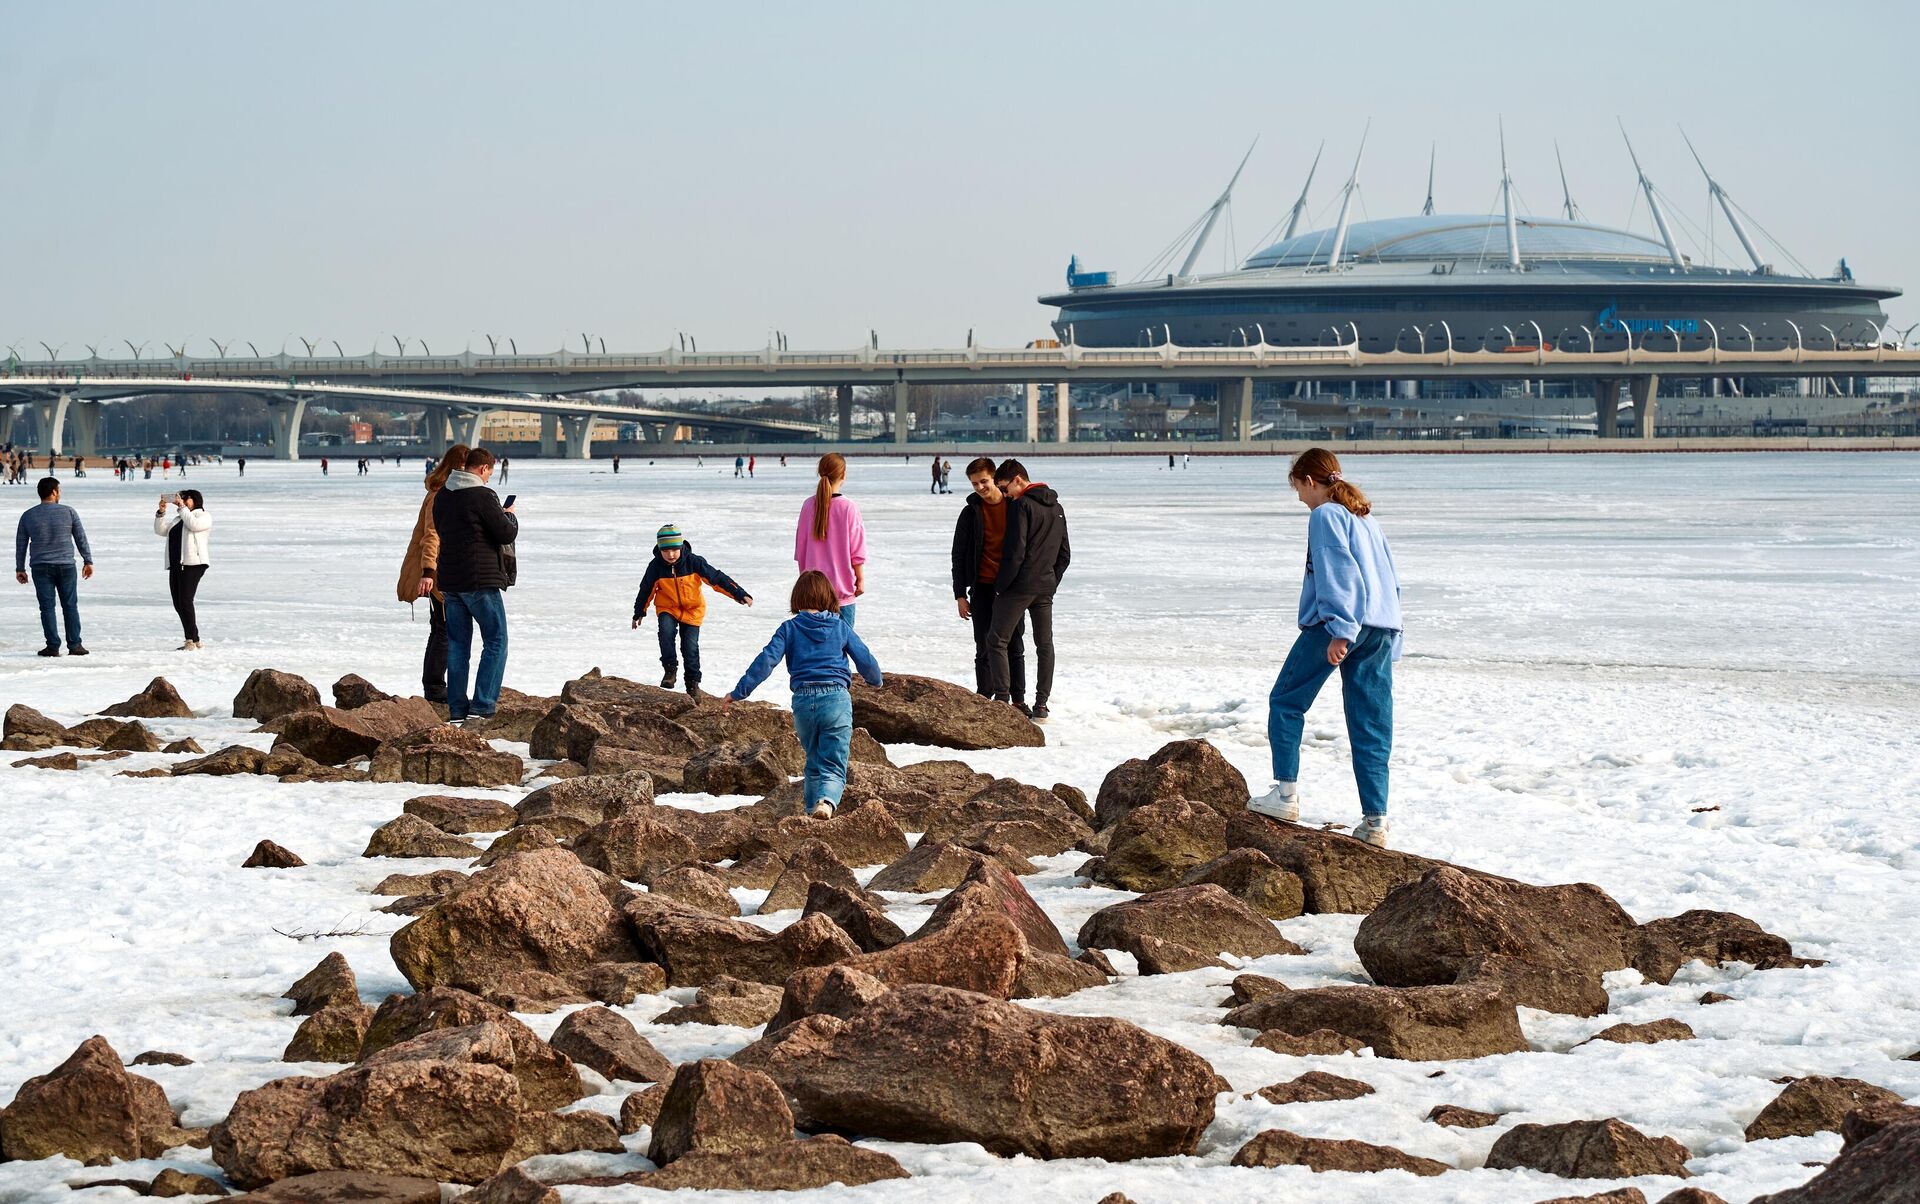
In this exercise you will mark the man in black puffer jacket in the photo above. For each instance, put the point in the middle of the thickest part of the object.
(1032, 562)
(476, 563)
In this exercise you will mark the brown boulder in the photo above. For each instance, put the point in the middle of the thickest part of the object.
(158, 701)
(1620, 1195)
(1429, 932)
(855, 914)
(539, 913)
(1204, 918)
(697, 886)
(511, 1186)
(867, 836)
(1278, 1147)
(515, 840)
(1315, 1086)
(1152, 955)
(756, 768)
(910, 792)
(131, 736)
(1321, 1042)
(329, 983)
(933, 865)
(268, 855)
(924, 710)
(411, 836)
(639, 1110)
(758, 872)
(269, 694)
(1031, 821)
(66, 761)
(334, 737)
(1863, 1122)
(629, 729)
(160, 1057)
(1015, 1080)
(696, 948)
(461, 815)
(1659, 948)
(1249, 987)
(728, 1001)
(716, 1107)
(352, 692)
(170, 1183)
(635, 845)
(823, 1161)
(1588, 1149)
(1878, 1170)
(182, 747)
(1251, 877)
(810, 862)
(568, 808)
(546, 1076)
(445, 755)
(1184, 769)
(292, 765)
(332, 1034)
(618, 983)
(27, 730)
(1419, 1024)
(1651, 1033)
(225, 762)
(347, 1187)
(1456, 1117)
(1816, 1104)
(1337, 873)
(606, 1042)
(89, 1109)
(1152, 847)
(1049, 976)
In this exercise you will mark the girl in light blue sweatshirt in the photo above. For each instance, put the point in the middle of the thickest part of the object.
(1350, 621)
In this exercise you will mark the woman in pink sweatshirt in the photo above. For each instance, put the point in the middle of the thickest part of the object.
(831, 539)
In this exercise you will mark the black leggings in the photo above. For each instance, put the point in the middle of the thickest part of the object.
(183, 582)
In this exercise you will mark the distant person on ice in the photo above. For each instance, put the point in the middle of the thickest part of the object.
(46, 539)
(1350, 621)
(475, 565)
(672, 587)
(816, 645)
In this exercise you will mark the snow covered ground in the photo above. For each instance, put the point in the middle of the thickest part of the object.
(1690, 680)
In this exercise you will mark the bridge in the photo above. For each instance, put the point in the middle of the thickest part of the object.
(460, 388)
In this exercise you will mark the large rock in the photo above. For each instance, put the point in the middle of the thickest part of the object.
(728, 1001)
(1251, 877)
(910, 792)
(269, 694)
(867, 836)
(1336, 872)
(810, 862)
(923, 710)
(353, 692)
(131, 736)
(568, 808)
(1816, 1104)
(1881, 1169)
(1154, 846)
(329, 983)
(1314, 1087)
(1432, 931)
(1278, 1147)
(1653, 1032)
(347, 1187)
(932, 1064)
(1659, 948)
(1186, 769)
(606, 1042)
(525, 927)
(933, 865)
(332, 1034)
(758, 767)
(695, 948)
(855, 914)
(27, 730)
(547, 1077)
(824, 1161)
(411, 836)
(1203, 918)
(1420, 1024)
(90, 1109)
(445, 755)
(1027, 819)
(698, 886)
(224, 762)
(716, 1107)
(1588, 1149)
(450, 813)
(158, 701)
(635, 845)
(334, 737)
(270, 856)
(511, 1186)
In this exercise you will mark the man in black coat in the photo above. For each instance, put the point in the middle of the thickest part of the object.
(978, 539)
(476, 563)
(1032, 562)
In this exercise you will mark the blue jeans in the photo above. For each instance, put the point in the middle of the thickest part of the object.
(823, 719)
(846, 613)
(689, 639)
(486, 608)
(1366, 686)
(61, 581)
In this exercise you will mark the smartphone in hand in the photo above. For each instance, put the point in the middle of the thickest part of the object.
(511, 499)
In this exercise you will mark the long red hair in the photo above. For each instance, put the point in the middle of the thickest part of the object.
(1322, 467)
(833, 470)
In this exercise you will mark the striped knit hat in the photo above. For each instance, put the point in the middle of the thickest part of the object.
(668, 537)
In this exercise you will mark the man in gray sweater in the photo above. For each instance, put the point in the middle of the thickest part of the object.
(45, 540)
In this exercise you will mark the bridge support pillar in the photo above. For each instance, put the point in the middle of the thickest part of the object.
(1606, 408)
(286, 415)
(436, 423)
(900, 410)
(1063, 405)
(466, 427)
(580, 436)
(1236, 409)
(85, 416)
(1646, 392)
(50, 422)
(549, 436)
(1033, 414)
(843, 400)
(6, 424)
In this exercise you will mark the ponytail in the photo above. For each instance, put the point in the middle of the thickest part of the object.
(833, 470)
(1322, 467)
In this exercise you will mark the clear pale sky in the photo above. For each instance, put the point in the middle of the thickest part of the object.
(356, 171)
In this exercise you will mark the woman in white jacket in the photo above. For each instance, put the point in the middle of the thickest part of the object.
(186, 534)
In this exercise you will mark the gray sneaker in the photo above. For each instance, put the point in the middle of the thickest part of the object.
(1282, 803)
(1373, 830)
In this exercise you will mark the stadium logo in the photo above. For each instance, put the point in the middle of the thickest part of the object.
(1609, 321)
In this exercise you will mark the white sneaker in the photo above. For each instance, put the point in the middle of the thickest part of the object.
(1282, 802)
(1373, 830)
(821, 810)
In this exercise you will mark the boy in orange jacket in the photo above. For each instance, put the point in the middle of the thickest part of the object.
(672, 587)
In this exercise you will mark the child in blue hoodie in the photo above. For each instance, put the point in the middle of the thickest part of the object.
(1350, 621)
(816, 645)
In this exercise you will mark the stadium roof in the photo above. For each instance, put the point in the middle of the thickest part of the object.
(1457, 236)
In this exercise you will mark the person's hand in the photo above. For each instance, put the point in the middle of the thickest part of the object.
(1337, 651)
(20, 577)
(726, 703)
(425, 588)
(747, 601)
(966, 612)
(636, 622)
(86, 572)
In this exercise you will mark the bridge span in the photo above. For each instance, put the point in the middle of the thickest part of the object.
(460, 387)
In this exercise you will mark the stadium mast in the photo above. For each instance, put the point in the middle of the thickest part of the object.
(1346, 202)
(1653, 203)
(1213, 214)
(1726, 207)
